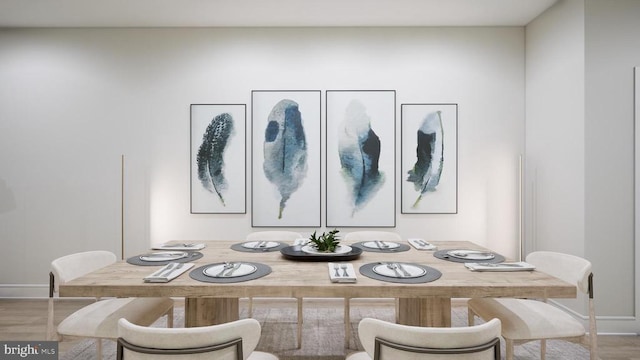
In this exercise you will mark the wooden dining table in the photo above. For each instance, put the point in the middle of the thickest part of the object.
(423, 304)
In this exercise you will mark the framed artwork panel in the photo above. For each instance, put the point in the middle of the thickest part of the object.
(429, 136)
(218, 158)
(360, 158)
(285, 158)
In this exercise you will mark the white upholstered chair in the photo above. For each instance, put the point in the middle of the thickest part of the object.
(525, 320)
(99, 319)
(235, 340)
(383, 340)
(358, 236)
(282, 236)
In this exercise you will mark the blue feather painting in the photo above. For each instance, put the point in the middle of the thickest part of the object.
(429, 158)
(286, 155)
(359, 152)
(285, 150)
(210, 158)
(425, 174)
(218, 155)
(361, 158)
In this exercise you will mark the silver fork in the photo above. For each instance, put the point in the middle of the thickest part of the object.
(168, 270)
(235, 267)
(226, 267)
(381, 245)
(344, 270)
(177, 267)
(394, 267)
(499, 264)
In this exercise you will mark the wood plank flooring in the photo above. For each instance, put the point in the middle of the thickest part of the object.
(25, 320)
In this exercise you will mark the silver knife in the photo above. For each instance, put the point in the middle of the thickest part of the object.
(394, 267)
(235, 267)
(380, 244)
(177, 267)
(168, 270)
(226, 267)
(499, 264)
(404, 271)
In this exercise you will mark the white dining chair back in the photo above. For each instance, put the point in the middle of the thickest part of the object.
(286, 237)
(235, 340)
(275, 235)
(570, 268)
(98, 320)
(72, 266)
(384, 340)
(368, 235)
(525, 320)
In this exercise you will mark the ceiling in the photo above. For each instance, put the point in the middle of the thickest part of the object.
(212, 13)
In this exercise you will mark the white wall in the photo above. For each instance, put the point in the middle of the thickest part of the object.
(579, 143)
(555, 150)
(612, 51)
(73, 100)
(555, 129)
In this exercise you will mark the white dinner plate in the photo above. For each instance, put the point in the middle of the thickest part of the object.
(219, 270)
(471, 254)
(412, 271)
(260, 244)
(380, 245)
(340, 249)
(164, 256)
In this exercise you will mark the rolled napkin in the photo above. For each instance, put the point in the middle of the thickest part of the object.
(512, 266)
(168, 272)
(420, 244)
(342, 273)
(175, 246)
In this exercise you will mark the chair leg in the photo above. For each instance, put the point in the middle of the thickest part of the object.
(543, 349)
(347, 322)
(593, 348)
(299, 335)
(593, 332)
(51, 329)
(509, 347)
(170, 318)
(397, 303)
(471, 317)
(99, 349)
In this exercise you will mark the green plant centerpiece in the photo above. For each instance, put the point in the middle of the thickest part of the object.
(325, 242)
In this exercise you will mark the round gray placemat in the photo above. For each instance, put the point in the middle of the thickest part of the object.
(135, 260)
(400, 248)
(239, 247)
(442, 254)
(431, 274)
(261, 270)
